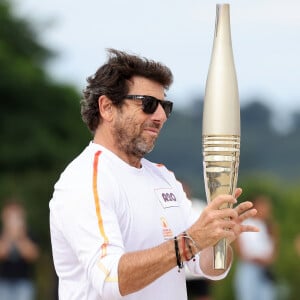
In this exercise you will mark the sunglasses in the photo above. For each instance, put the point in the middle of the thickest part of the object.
(150, 104)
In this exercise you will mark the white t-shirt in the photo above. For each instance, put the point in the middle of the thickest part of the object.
(256, 244)
(197, 205)
(101, 208)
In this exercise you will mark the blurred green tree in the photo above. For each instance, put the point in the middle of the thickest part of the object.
(38, 115)
(40, 128)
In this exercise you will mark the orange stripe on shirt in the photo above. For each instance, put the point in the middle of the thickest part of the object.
(160, 165)
(97, 203)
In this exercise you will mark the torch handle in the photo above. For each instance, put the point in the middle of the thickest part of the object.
(220, 168)
(220, 255)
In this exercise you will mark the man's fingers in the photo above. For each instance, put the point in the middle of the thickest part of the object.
(248, 214)
(222, 199)
(227, 213)
(245, 211)
(238, 192)
(249, 228)
(244, 206)
(217, 202)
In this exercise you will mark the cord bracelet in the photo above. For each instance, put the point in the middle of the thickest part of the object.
(187, 243)
(190, 239)
(178, 256)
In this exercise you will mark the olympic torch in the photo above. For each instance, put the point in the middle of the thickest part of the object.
(221, 122)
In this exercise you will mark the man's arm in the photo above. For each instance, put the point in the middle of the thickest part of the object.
(138, 269)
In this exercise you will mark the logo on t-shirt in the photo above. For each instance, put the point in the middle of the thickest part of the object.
(166, 197)
(167, 232)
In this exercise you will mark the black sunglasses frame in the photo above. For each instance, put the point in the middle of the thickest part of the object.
(150, 104)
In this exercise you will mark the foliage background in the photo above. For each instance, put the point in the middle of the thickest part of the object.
(41, 131)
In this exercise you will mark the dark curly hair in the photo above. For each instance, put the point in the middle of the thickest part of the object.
(111, 80)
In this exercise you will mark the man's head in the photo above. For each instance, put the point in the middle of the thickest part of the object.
(263, 204)
(13, 216)
(113, 80)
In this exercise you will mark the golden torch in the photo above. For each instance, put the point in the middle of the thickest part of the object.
(221, 122)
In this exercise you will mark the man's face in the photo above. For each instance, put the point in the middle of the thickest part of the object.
(135, 132)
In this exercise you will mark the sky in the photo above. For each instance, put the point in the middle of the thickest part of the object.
(265, 40)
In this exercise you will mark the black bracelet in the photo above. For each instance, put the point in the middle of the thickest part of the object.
(178, 257)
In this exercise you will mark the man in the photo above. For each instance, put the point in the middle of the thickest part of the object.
(121, 226)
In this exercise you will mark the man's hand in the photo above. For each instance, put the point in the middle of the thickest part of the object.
(215, 224)
(244, 211)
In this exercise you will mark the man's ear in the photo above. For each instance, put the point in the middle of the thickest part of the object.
(105, 108)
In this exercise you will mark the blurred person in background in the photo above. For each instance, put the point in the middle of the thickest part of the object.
(297, 244)
(254, 278)
(18, 253)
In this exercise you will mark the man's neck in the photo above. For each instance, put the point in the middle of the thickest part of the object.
(108, 142)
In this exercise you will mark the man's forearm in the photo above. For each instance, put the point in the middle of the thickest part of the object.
(138, 269)
(28, 250)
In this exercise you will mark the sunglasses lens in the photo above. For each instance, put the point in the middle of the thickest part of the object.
(167, 106)
(149, 105)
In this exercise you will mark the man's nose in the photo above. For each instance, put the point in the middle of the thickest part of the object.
(160, 114)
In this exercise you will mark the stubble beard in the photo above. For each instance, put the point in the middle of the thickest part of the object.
(129, 139)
